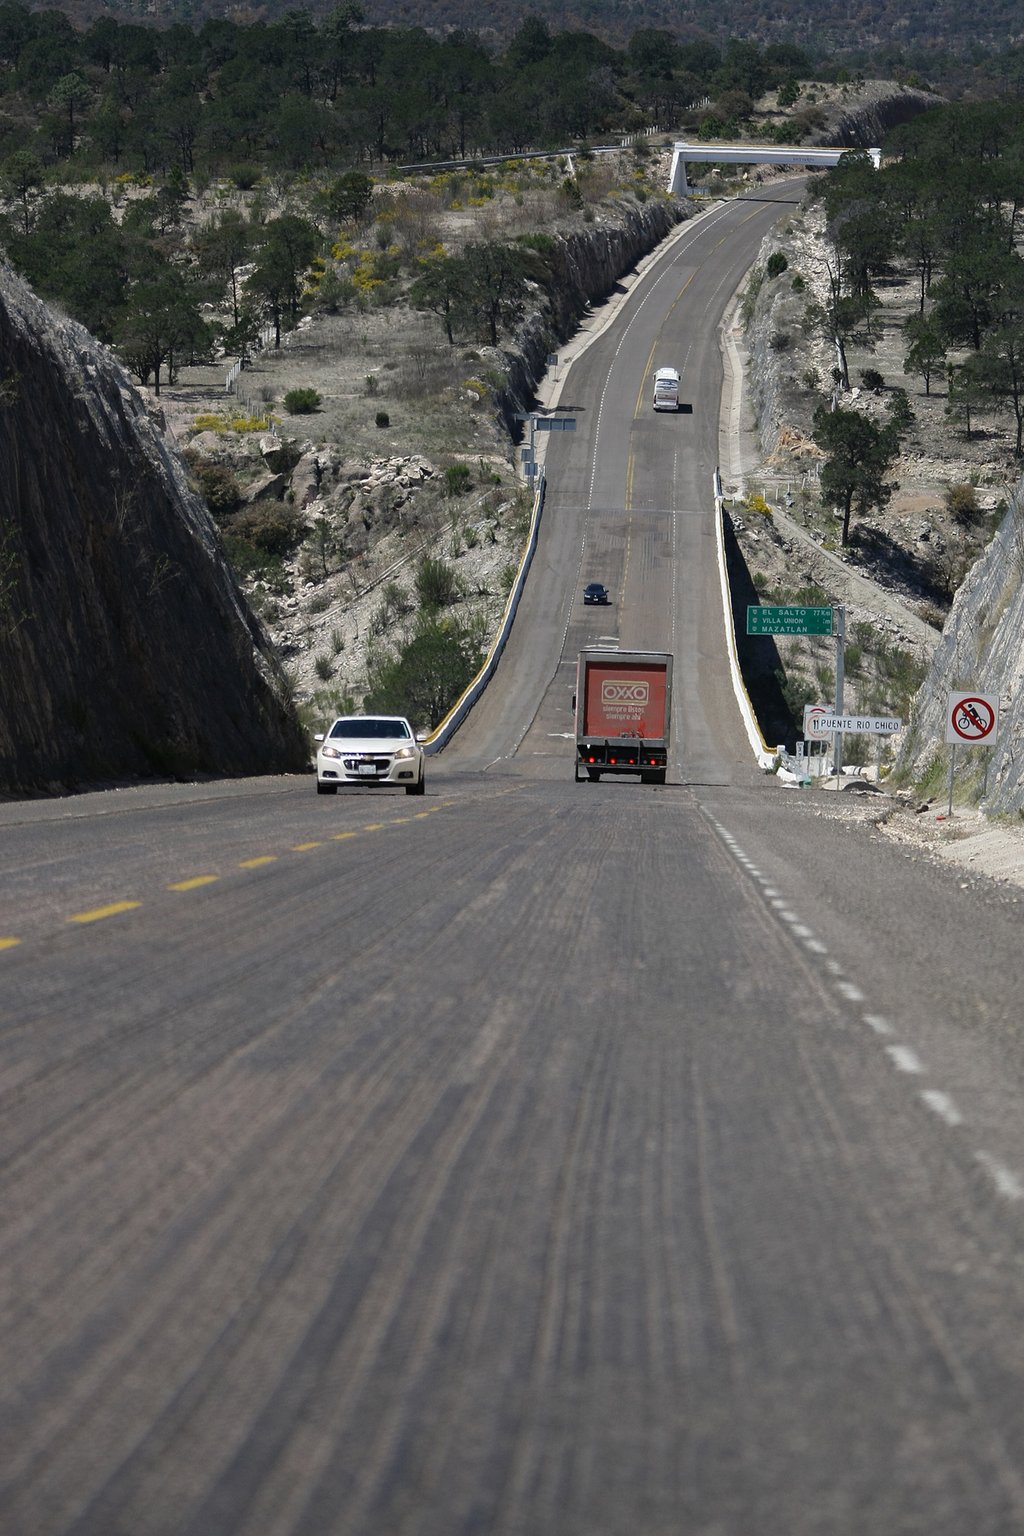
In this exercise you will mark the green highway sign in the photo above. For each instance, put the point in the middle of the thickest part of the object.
(765, 619)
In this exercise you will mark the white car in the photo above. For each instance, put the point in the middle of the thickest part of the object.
(370, 749)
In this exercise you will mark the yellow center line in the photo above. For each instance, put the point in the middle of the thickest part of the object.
(114, 908)
(99, 912)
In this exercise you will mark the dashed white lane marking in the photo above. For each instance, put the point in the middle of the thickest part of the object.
(905, 1059)
(942, 1105)
(1007, 1184)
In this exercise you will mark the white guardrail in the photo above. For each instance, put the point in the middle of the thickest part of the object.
(443, 733)
(767, 757)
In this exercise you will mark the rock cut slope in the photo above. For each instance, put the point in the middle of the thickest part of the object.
(126, 649)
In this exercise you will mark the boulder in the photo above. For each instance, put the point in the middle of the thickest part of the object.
(278, 453)
(267, 488)
(306, 480)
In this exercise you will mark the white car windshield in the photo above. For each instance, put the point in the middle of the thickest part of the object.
(370, 730)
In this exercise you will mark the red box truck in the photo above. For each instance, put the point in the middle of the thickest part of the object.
(623, 713)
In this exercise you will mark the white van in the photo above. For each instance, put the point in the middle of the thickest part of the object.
(666, 390)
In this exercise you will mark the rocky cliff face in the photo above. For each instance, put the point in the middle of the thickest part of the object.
(981, 646)
(981, 649)
(587, 265)
(125, 647)
(874, 109)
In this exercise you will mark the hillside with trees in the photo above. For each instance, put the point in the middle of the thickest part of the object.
(111, 139)
(977, 41)
(185, 192)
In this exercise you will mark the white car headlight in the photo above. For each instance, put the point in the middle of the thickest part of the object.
(329, 752)
(406, 752)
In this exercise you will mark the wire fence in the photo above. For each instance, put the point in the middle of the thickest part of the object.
(262, 343)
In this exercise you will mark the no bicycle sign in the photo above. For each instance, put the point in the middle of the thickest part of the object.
(972, 718)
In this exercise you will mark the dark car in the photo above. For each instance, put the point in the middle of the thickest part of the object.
(594, 592)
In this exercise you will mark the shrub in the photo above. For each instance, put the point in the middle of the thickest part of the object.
(301, 402)
(247, 560)
(218, 484)
(900, 410)
(323, 666)
(962, 505)
(382, 419)
(334, 292)
(248, 423)
(457, 479)
(206, 421)
(796, 691)
(428, 674)
(872, 380)
(245, 177)
(437, 583)
(776, 264)
(271, 527)
(780, 341)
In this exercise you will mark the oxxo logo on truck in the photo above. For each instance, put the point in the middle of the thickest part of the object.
(624, 691)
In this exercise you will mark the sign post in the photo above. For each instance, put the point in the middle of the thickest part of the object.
(973, 718)
(837, 749)
(540, 423)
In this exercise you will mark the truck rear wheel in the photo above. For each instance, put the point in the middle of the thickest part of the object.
(654, 776)
(594, 775)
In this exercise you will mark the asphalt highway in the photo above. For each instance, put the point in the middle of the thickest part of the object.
(533, 1158)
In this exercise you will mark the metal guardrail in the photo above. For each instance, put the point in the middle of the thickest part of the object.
(767, 757)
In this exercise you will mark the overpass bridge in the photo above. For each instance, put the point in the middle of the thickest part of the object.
(751, 154)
